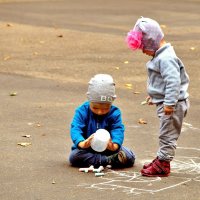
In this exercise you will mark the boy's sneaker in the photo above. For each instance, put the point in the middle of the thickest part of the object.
(117, 160)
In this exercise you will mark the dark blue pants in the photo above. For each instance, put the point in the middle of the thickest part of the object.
(88, 157)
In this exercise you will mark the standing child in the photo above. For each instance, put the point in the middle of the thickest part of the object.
(99, 113)
(167, 89)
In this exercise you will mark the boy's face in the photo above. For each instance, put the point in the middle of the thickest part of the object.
(100, 108)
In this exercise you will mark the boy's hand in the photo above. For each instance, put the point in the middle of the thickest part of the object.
(86, 143)
(168, 110)
(112, 146)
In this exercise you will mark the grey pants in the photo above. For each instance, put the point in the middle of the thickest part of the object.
(170, 129)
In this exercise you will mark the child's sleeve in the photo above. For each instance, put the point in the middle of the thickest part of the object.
(117, 128)
(77, 127)
(170, 71)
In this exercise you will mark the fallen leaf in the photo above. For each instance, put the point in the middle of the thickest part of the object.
(35, 53)
(38, 125)
(24, 144)
(142, 121)
(128, 85)
(144, 102)
(6, 58)
(163, 26)
(13, 94)
(9, 25)
(27, 136)
(136, 92)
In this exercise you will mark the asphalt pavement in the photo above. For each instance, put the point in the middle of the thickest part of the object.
(49, 51)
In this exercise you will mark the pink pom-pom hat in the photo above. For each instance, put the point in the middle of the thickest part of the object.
(134, 39)
(146, 34)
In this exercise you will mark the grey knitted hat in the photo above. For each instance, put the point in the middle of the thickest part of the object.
(151, 33)
(101, 89)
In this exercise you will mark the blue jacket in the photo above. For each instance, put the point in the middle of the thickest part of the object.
(167, 78)
(85, 123)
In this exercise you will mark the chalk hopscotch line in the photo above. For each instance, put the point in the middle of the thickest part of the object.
(130, 182)
(135, 184)
(197, 179)
(187, 126)
(187, 164)
(187, 167)
(189, 148)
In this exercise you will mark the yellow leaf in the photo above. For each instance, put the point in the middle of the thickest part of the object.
(128, 85)
(6, 58)
(38, 125)
(163, 26)
(144, 102)
(24, 144)
(13, 94)
(35, 53)
(142, 121)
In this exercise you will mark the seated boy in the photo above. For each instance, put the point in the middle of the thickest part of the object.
(99, 113)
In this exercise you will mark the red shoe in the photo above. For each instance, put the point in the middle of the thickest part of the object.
(157, 168)
(145, 166)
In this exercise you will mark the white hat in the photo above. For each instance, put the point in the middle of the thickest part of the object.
(101, 89)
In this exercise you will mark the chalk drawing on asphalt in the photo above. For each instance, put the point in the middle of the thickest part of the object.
(185, 168)
(187, 126)
(189, 163)
(133, 183)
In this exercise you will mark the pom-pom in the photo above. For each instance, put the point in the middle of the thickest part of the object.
(134, 39)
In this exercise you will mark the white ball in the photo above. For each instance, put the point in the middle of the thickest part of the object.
(100, 140)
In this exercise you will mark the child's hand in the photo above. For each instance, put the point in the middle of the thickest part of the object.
(86, 143)
(149, 100)
(112, 146)
(168, 110)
